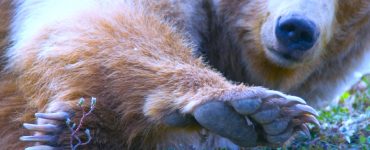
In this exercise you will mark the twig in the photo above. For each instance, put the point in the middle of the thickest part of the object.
(75, 130)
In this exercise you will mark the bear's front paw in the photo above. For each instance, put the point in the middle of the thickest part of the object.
(48, 131)
(279, 115)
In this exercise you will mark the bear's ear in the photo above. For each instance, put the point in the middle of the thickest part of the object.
(352, 11)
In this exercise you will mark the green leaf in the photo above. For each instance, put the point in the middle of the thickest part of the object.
(366, 80)
(362, 139)
(343, 110)
(345, 96)
(81, 102)
(368, 127)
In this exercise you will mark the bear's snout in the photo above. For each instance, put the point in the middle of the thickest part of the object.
(294, 41)
(296, 33)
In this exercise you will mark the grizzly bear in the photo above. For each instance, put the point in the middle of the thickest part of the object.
(153, 67)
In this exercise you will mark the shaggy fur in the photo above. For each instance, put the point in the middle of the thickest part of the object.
(133, 61)
(5, 13)
(233, 46)
(136, 58)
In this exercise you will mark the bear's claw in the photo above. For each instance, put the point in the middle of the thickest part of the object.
(42, 147)
(58, 116)
(47, 131)
(47, 128)
(39, 138)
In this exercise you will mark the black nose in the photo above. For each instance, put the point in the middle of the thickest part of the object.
(296, 33)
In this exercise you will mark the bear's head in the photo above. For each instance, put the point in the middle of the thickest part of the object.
(283, 42)
(295, 32)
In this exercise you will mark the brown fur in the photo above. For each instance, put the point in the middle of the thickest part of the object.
(5, 14)
(153, 63)
(12, 103)
(314, 81)
(141, 68)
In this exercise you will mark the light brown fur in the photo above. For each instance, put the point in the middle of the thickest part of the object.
(140, 69)
(152, 64)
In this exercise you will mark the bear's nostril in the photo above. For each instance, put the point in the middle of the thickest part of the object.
(306, 36)
(296, 33)
(288, 28)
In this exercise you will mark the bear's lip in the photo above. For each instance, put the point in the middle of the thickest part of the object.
(281, 59)
(283, 55)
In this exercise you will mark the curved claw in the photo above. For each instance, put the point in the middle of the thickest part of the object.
(38, 138)
(311, 119)
(288, 98)
(282, 102)
(299, 109)
(42, 147)
(42, 127)
(59, 116)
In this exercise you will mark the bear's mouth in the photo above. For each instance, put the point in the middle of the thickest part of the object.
(284, 55)
(282, 59)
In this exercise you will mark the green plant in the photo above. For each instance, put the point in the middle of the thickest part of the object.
(345, 125)
(75, 128)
